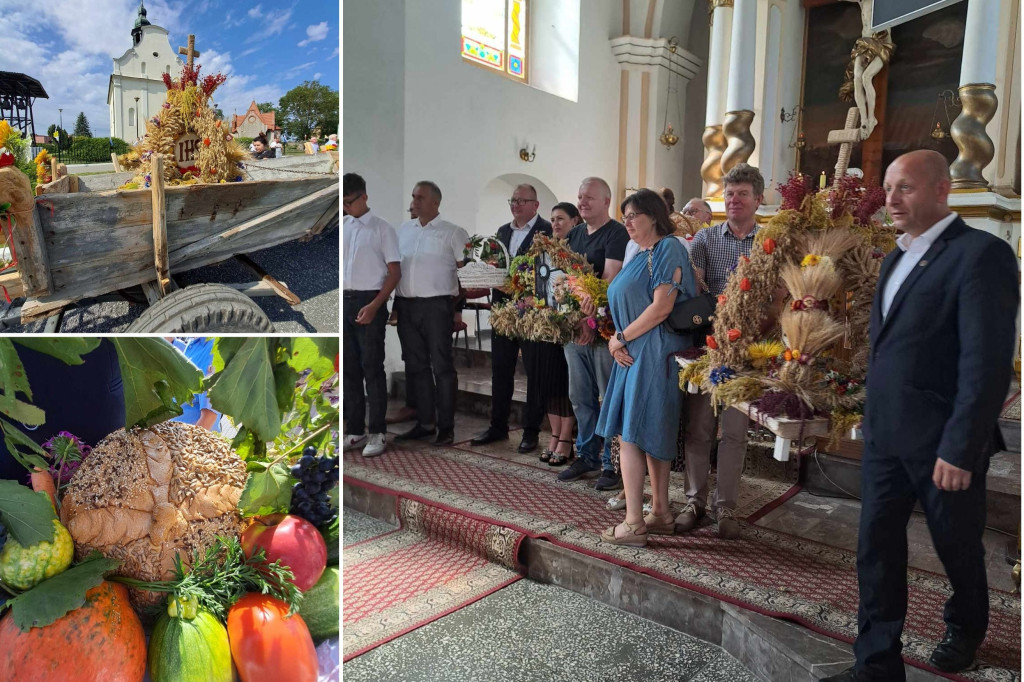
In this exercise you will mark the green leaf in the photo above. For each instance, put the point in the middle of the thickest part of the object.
(267, 492)
(27, 514)
(157, 380)
(68, 349)
(246, 391)
(224, 349)
(29, 415)
(13, 438)
(315, 354)
(284, 382)
(52, 599)
(12, 375)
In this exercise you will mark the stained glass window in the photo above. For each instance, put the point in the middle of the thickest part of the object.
(494, 35)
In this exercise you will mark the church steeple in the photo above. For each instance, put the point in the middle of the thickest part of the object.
(140, 21)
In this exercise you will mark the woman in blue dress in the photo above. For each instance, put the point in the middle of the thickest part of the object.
(642, 401)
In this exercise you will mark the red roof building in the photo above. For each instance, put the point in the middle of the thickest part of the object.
(253, 122)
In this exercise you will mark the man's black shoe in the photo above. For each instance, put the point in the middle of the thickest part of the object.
(578, 469)
(528, 443)
(415, 433)
(491, 435)
(609, 480)
(953, 654)
(445, 437)
(848, 675)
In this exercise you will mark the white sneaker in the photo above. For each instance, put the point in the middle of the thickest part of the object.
(375, 445)
(353, 442)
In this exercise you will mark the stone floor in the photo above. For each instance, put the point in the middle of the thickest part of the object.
(541, 633)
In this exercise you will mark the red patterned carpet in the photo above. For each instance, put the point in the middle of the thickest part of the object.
(438, 562)
(769, 572)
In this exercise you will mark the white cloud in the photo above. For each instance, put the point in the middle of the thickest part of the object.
(275, 22)
(333, 54)
(254, 13)
(316, 76)
(315, 33)
(250, 51)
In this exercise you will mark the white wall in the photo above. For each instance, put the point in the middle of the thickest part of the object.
(130, 82)
(465, 126)
(494, 210)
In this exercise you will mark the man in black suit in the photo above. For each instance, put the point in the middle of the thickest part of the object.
(942, 340)
(517, 236)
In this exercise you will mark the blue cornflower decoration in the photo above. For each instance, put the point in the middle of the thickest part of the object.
(722, 374)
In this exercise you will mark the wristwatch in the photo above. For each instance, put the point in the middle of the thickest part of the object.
(620, 338)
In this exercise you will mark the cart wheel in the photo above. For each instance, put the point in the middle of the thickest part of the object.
(204, 308)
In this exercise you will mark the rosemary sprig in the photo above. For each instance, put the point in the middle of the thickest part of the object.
(223, 575)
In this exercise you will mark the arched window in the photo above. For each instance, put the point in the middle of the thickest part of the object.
(495, 35)
(143, 68)
(167, 68)
(131, 116)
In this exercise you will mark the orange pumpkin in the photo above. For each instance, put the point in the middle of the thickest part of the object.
(768, 245)
(712, 344)
(101, 640)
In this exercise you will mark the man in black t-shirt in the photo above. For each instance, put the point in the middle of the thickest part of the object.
(603, 242)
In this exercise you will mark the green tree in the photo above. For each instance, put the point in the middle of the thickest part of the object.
(65, 140)
(307, 108)
(82, 126)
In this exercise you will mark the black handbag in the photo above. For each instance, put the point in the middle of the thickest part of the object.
(692, 316)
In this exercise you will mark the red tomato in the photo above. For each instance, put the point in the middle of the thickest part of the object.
(267, 643)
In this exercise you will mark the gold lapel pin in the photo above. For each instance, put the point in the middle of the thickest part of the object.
(922, 264)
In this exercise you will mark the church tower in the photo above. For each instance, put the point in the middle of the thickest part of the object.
(136, 88)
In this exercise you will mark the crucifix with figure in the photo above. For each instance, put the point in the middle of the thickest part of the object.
(190, 51)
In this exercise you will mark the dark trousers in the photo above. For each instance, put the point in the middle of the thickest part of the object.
(956, 520)
(364, 363)
(504, 355)
(425, 330)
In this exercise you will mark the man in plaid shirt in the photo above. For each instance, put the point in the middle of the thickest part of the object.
(714, 252)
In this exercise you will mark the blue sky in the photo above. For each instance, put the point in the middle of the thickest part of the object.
(264, 48)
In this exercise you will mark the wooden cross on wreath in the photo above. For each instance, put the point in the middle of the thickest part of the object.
(845, 138)
(191, 53)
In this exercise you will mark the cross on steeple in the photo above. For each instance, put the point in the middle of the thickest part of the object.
(190, 52)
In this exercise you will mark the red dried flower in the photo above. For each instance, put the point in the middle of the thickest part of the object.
(795, 190)
(745, 284)
(206, 141)
(167, 80)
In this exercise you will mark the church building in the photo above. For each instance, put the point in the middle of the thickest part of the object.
(136, 88)
(253, 122)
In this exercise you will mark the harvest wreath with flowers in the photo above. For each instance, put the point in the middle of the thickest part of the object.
(186, 126)
(529, 316)
(825, 249)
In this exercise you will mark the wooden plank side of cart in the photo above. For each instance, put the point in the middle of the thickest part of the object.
(98, 242)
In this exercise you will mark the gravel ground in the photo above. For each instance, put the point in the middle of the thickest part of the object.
(310, 270)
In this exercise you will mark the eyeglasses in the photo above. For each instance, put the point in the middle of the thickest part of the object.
(630, 217)
(348, 201)
(520, 202)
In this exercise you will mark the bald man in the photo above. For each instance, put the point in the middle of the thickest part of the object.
(942, 340)
(699, 210)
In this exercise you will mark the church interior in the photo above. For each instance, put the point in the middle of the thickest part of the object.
(482, 96)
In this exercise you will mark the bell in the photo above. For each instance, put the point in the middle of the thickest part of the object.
(938, 133)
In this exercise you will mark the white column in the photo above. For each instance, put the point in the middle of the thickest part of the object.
(981, 37)
(718, 64)
(741, 56)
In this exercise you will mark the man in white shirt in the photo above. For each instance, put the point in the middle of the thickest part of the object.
(432, 252)
(942, 340)
(372, 270)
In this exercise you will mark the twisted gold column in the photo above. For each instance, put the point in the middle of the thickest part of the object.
(711, 169)
(968, 131)
(740, 143)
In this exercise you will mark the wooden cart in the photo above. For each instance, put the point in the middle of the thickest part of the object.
(89, 240)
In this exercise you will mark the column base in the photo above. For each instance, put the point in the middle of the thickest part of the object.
(740, 143)
(968, 132)
(711, 169)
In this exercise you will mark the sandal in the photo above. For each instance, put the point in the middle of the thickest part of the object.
(548, 452)
(616, 503)
(557, 459)
(665, 525)
(631, 539)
